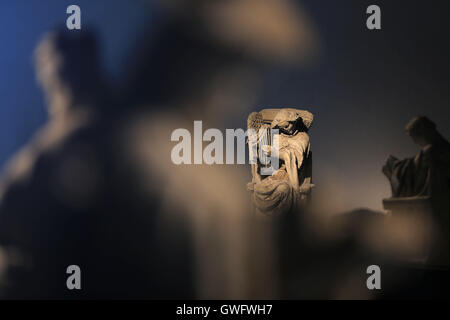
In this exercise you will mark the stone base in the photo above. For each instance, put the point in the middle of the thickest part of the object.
(407, 205)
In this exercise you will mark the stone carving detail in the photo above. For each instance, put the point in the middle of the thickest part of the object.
(290, 185)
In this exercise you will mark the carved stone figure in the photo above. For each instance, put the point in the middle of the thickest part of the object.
(287, 187)
(428, 171)
(421, 189)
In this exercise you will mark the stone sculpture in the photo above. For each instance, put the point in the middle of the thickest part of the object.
(289, 186)
(428, 171)
(421, 189)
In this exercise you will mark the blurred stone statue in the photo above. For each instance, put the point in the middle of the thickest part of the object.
(197, 67)
(51, 189)
(68, 70)
(290, 185)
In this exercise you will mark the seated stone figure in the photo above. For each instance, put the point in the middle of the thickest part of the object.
(428, 172)
(290, 185)
(421, 189)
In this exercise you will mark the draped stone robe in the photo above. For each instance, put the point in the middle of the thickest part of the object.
(427, 174)
(287, 187)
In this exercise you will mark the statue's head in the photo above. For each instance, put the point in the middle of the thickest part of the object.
(290, 120)
(67, 67)
(422, 130)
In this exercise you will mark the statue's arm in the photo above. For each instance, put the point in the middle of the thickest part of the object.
(388, 167)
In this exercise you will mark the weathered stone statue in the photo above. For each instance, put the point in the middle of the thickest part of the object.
(421, 191)
(290, 184)
(426, 173)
